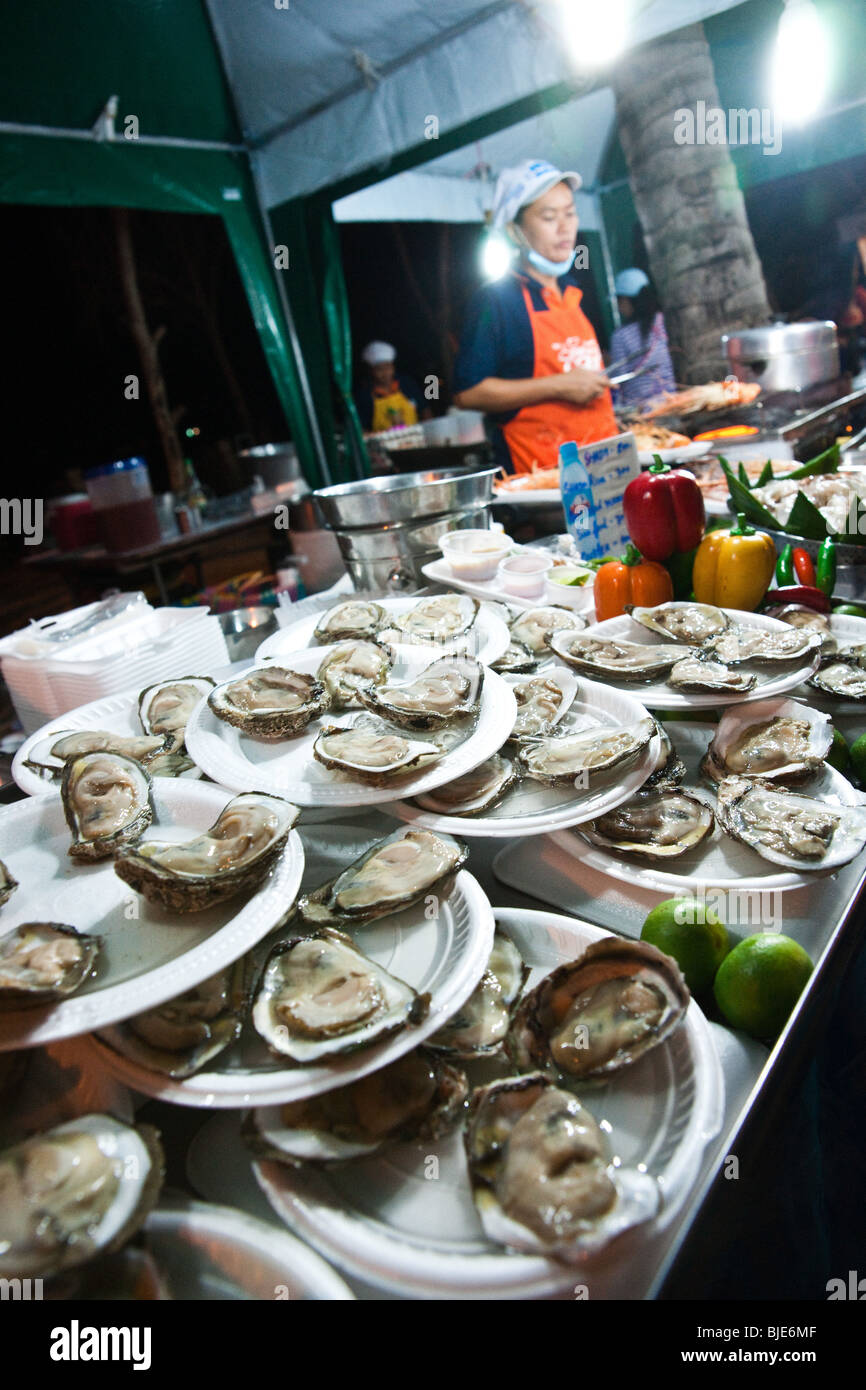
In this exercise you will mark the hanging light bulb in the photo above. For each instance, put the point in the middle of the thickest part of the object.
(595, 31)
(496, 256)
(801, 61)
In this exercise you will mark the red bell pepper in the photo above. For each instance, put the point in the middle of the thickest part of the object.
(664, 511)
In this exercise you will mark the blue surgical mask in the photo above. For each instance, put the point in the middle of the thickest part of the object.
(549, 267)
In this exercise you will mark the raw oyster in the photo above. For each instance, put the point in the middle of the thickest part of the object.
(49, 757)
(320, 997)
(564, 758)
(419, 1096)
(438, 619)
(7, 884)
(659, 824)
(350, 665)
(474, 793)
(842, 676)
(540, 1177)
(696, 674)
(180, 1037)
(80, 1189)
(691, 623)
(609, 659)
(598, 1014)
(394, 874)
(532, 627)
(40, 961)
(670, 769)
(233, 856)
(269, 702)
(370, 750)
(739, 644)
(779, 739)
(789, 829)
(356, 619)
(166, 708)
(107, 803)
(542, 702)
(516, 658)
(796, 615)
(480, 1026)
(446, 690)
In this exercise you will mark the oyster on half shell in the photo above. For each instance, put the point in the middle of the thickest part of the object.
(739, 644)
(7, 884)
(786, 828)
(50, 755)
(658, 824)
(516, 658)
(166, 707)
(563, 758)
(106, 800)
(394, 874)
(712, 677)
(479, 1026)
(842, 676)
(41, 961)
(778, 739)
(438, 619)
(350, 621)
(448, 689)
(690, 623)
(351, 665)
(370, 750)
(533, 626)
(474, 793)
(542, 701)
(607, 658)
(269, 702)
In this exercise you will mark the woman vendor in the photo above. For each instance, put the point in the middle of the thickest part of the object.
(528, 354)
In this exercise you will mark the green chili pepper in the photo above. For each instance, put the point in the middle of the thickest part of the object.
(785, 567)
(825, 569)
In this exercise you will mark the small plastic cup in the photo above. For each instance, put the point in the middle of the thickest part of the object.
(523, 574)
(560, 591)
(475, 554)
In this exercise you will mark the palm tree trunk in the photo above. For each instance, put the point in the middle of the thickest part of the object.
(701, 253)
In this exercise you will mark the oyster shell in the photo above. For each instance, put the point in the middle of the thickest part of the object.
(7, 883)
(479, 1027)
(739, 644)
(353, 620)
(565, 757)
(166, 707)
(778, 739)
(106, 799)
(789, 829)
(609, 659)
(351, 665)
(438, 619)
(842, 676)
(180, 1037)
(670, 769)
(320, 997)
(696, 674)
(394, 874)
(448, 689)
(516, 658)
(269, 702)
(659, 824)
(796, 615)
(539, 1173)
(592, 1017)
(533, 626)
(474, 793)
(542, 702)
(690, 623)
(40, 961)
(372, 751)
(233, 856)
(418, 1096)
(80, 1189)
(49, 757)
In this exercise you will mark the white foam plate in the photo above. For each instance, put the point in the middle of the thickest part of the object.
(148, 954)
(486, 639)
(444, 955)
(439, 571)
(531, 808)
(535, 497)
(681, 454)
(287, 767)
(720, 861)
(659, 695)
(386, 1220)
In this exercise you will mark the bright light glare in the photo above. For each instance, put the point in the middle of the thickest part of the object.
(594, 30)
(495, 256)
(801, 62)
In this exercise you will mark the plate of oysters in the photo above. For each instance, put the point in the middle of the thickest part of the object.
(750, 802)
(530, 1148)
(576, 750)
(453, 623)
(126, 889)
(389, 938)
(683, 655)
(326, 734)
(147, 725)
(839, 684)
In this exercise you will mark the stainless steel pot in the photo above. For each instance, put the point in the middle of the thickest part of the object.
(784, 356)
(393, 557)
(273, 463)
(389, 500)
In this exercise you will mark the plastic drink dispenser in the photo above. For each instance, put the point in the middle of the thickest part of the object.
(124, 505)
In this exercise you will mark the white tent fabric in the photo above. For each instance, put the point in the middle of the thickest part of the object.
(329, 89)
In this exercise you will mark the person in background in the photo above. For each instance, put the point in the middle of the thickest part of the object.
(386, 400)
(642, 339)
(529, 357)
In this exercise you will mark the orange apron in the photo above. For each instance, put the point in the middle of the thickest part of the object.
(563, 338)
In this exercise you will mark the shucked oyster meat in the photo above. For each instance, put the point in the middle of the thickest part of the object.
(690, 623)
(106, 799)
(533, 626)
(370, 750)
(320, 997)
(269, 702)
(166, 708)
(779, 739)
(7, 884)
(41, 961)
(739, 644)
(609, 659)
(446, 690)
(786, 828)
(540, 1175)
(694, 673)
(233, 856)
(656, 824)
(438, 619)
(542, 701)
(181, 1036)
(50, 755)
(350, 621)
(563, 758)
(841, 676)
(479, 1026)
(351, 665)
(394, 874)
(475, 793)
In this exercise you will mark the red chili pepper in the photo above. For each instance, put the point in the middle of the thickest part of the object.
(802, 594)
(664, 511)
(804, 568)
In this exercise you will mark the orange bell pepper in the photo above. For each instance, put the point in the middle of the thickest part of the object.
(631, 580)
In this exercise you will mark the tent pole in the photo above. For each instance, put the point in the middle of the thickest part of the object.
(608, 266)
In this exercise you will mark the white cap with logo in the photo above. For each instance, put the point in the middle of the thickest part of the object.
(524, 183)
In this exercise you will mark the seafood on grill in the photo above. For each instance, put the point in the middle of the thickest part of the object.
(712, 395)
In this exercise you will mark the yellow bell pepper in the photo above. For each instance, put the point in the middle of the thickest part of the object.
(734, 568)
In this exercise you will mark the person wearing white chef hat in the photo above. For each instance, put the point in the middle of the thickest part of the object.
(529, 356)
(387, 400)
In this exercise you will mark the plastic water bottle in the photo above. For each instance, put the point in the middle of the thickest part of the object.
(577, 498)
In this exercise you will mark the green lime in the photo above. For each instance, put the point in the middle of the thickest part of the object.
(690, 931)
(840, 755)
(858, 758)
(853, 609)
(759, 982)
